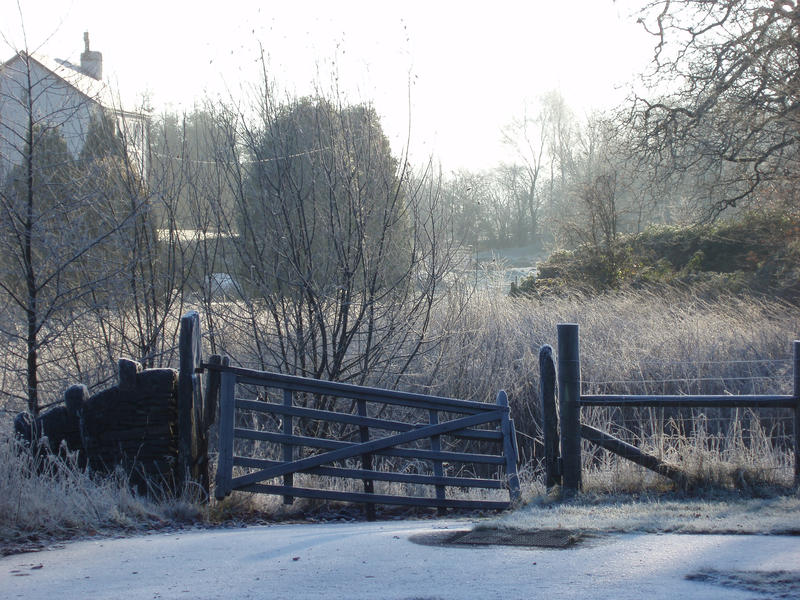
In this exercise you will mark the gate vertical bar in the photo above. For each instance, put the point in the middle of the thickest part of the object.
(547, 397)
(796, 392)
(509, 447)
(288, 449)
(438, 471)
(366, 459)
(569, 391)
(227, 404)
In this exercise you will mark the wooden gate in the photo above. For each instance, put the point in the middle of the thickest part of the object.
(436, 435)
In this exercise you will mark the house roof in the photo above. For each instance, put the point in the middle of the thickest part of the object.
(93, 89)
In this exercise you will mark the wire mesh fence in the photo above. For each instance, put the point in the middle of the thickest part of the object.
(737, 447)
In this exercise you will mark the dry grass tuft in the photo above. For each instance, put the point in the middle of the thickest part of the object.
(49, 495)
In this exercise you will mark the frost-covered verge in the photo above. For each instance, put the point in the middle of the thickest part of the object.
(673, 513)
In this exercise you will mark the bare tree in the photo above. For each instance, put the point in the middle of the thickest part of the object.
(542, 141)
(341, 253)
(55, 235)
(527, 136)
(604, 194)
(466, 195)
(723, 113)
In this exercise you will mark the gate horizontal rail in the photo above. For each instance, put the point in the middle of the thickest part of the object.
(466, 422)
(312, 442)
(385, 424)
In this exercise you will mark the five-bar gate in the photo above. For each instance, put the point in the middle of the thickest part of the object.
(444, 440)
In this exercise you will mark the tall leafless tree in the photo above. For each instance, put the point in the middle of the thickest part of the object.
(55, 233)
(340, 253)
(723, 110)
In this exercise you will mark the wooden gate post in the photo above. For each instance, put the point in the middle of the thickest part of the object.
(569, 392)
(192, 432)
(509, 448)
(547, 397)
(796, 392)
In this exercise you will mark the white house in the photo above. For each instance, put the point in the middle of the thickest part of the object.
(45, 92)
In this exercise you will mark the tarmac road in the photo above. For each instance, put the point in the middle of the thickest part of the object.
(378, 561)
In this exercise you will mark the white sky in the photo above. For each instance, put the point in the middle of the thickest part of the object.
(468, 67)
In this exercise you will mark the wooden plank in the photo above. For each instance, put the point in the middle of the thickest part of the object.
(347, 390)
(464, 482)
(361, 497)
(547, 398)
(288, 449)
(569, 395)
(352, 450)
(509, 449)
(337, 417)
(438, 471)
(633, 454)
(709, 401)
(422, 454)
(226, 427)
(366, 459)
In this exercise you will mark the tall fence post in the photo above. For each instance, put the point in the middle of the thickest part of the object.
(547, 397)
(192, 433)
(796, 393)
(569, 391)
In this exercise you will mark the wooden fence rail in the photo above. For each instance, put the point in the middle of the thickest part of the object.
(458, 420)
(566, 467)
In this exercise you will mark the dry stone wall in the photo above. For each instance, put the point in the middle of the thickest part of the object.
(133, 424)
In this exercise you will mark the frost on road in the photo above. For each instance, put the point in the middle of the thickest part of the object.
(380, 561)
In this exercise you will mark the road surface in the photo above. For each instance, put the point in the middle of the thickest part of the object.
(379, 561)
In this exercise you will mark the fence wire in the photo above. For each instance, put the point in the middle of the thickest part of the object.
(725, 447)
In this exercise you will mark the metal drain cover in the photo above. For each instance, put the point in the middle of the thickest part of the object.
(556, 538)
(539, 539)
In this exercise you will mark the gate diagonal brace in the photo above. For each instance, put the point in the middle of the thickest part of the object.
(373, 446)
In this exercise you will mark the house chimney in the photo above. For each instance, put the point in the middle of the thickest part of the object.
(91, 61)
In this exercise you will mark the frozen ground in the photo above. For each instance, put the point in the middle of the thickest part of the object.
(378, 561)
